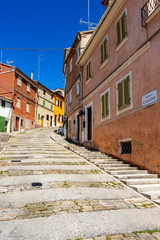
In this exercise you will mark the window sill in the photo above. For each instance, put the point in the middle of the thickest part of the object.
(87, 81)
(124, 109)
(103, 64)
(105, 118)
(121, 43)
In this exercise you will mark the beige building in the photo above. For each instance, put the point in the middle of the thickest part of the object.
(44, 109)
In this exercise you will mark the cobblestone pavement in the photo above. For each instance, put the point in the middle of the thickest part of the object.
(49, 192)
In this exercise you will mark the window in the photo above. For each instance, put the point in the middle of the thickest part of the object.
(39, 116)
(88, 70)
(77, 88)
(125, 147)
(70, 96)
(44, 103)
(18, 104)
(3, 104)
(62, 118)
(51, 106)
(70, 66)
(19, 81)
(57, 102)
(27, 107)
(105, 104)
(60, 104)
(44, 92)
(121, 28)
(103, 49)
(69, 126)
(52, 97)
(28, 87)
(47, 117)
(21, 122)
(59, 117)
(124, 93)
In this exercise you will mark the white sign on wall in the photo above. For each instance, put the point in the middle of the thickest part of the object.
(150, 98)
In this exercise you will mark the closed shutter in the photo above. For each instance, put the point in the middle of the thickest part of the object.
(107, 103)
(105, 49)
(127, 91)
(89, 69)
(123, 25)
(101, 53)
(120, 95)
(118, 32)
(102, 102)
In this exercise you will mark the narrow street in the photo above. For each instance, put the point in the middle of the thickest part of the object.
(49, 192)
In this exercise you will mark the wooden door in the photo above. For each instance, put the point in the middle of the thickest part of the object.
(17, 124)
(55, 120)
(42, 122)
(89, 113)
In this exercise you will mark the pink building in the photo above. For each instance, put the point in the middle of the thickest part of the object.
(120, 71)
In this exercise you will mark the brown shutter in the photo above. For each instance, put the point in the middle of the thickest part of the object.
(105, 49)
(120, 95)
(90, 69)
(102, 102)
(107, 103)
(118, 32)
(123, 25)
(127, 91)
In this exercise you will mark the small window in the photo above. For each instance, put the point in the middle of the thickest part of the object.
(105, 104)
(3, 104)
(19, 81)
(70, 96)
(28, 87)
(60, 104)
(39, 116)
(21, 122)
(124, 94)
(88, 71)
(104, 52)
(121, 28)
(59, 117)
(44, 103)
(47, 117)
(70, 66)
(51, 106)
(18, 104)
(44, 92)
(125, 147)
(27, 107)
(77, 88)
(52, 97)
(69, 126)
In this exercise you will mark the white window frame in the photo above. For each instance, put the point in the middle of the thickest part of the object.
(19, 81)
(18, 103)
(27, 107)
(77, 88)
(70, 96)
(70, 66)
(28, 87)
(119, 111)
(69, 126)
(108, 116)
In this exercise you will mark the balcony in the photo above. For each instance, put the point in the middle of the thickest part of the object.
(151, 8)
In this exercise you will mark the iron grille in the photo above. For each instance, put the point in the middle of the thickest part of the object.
(147, 9)
(126, 147)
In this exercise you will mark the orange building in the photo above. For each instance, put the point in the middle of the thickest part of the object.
(58, 109)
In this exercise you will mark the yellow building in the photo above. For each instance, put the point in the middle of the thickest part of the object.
(44, 108)
(58, 107)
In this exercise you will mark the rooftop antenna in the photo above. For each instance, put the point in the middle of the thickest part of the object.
(9, 62)
(90, 25)
(40, 57)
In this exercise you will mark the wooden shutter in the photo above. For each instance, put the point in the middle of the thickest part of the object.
(87, 72)
(123, 25)
(120, 95)
(89, 69)
(102, 103)
(127, 91)
(105, 49)
(118, 32)
(101, 53)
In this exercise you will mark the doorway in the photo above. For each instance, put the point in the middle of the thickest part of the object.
(89, 122)
(55, 120)
(51, 121)
(17, 124)
(42, 121)
(77, 127)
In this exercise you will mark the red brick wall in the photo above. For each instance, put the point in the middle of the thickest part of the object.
(7, 84)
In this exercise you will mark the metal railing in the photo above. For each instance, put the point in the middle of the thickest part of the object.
(147, 9)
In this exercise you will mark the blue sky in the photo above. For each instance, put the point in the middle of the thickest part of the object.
(37, 24)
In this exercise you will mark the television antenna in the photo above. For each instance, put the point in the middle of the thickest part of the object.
(9, 62)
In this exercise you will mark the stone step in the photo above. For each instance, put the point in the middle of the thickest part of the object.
(123, 172)
(36, 152)
(109, 169)
(153, 195)
(158, 201)
(146, 187)
(136, 176)
(113, 164)
(141, 181)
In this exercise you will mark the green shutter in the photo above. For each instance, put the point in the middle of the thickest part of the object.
(123, 25)
(2, 124)
(51, 107)
(102, 103)
(43, 103)
(118, 32)
(89, 69)
(105, 49)
(127, 91)
(101, 53)
(3, 104)
(120, 95)
(107, 104)
(39, 116)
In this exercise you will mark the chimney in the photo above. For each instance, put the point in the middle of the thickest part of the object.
(32, 75)
(105, 3)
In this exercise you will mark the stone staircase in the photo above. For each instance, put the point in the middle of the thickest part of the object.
(140, 180)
